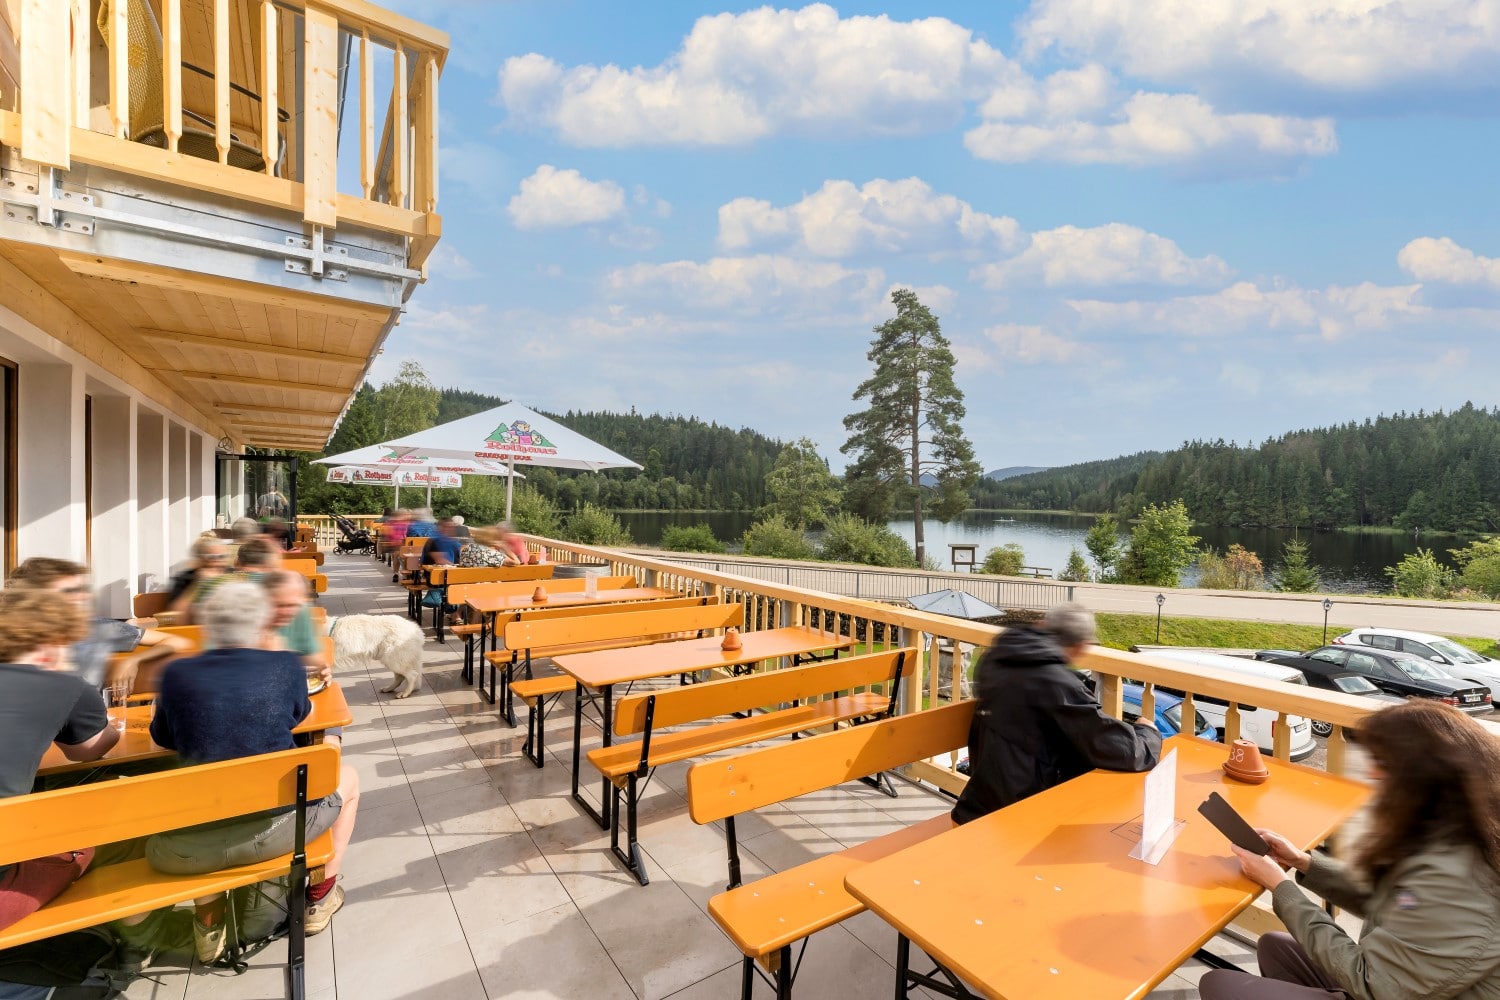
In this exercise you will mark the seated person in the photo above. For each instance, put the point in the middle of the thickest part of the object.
(237, 700)
(444, 548)
(89, 657)
(512, 544)
(460, 530)
(210, 557)
(421, 524)
(1037, 723)
(292, 627)
(481, 550)
(42, 703)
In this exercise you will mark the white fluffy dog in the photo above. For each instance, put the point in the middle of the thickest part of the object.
(389, 639)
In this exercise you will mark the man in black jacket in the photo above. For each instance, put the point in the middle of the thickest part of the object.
(1038, 723)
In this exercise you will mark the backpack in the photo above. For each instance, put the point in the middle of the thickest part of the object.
(78, 965)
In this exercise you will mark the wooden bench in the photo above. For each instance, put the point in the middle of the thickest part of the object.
(46, 823)
(151, 604)
(627, 765)
(537, 692)
(317, 583)
(454, 575)
(765, 918)
(460, 593)
(529, 637)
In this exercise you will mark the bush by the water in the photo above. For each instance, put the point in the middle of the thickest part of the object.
(1006, 560)
(531, 513)
(1420, 575)
(590, 525)
(690, 538)
(1077, 569)
(850, 539)
(774, 538)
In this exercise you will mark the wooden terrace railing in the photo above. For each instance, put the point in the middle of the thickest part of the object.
(243, 99)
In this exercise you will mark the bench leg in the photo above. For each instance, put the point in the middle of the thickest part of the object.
(734, 852)
(296, 903)
(881, 782)
(631, 856)
(903, 964)
(468, 670)
(747, 979)
(536, 721)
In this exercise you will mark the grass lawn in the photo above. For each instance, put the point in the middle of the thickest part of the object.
(1124, 631)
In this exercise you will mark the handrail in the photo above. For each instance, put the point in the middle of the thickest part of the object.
(292, 49)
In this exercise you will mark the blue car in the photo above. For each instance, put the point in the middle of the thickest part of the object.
(1168, 712)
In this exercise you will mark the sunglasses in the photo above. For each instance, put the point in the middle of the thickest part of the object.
(80, 588)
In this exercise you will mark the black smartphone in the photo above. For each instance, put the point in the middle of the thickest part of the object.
(1232, 825)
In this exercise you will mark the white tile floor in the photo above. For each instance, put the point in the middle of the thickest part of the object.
(474, 875)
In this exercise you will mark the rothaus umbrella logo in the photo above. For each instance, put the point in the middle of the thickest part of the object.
(519, 437)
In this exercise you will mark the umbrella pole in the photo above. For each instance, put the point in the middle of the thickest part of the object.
(396, 496)
(510, 484)
(429, 487)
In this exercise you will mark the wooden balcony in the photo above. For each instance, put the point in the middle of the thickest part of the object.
(236, 196)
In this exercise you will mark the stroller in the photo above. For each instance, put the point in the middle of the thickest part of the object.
(356, 539)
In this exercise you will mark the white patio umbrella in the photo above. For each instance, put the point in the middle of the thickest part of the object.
(362, 475)
(380, 457)
(511, 434)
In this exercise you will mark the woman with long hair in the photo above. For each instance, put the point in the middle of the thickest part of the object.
(1425, 881)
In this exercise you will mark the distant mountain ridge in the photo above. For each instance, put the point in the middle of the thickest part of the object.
(1012, 471)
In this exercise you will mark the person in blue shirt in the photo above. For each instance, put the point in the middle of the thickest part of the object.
(422, 525)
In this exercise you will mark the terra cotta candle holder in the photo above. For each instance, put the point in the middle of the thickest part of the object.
(731, 639)
(539, 595)
(1245, 764)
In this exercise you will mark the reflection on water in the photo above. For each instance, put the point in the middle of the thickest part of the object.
(1349, 562)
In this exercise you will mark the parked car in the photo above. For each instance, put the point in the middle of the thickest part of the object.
(1168, 712)
(1257, 722)
(1398, 674)
(1460, 661)
(1327, 677)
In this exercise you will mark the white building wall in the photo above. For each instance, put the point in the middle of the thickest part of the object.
(153, 482)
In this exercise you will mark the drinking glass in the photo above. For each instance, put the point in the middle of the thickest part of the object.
(116, 699)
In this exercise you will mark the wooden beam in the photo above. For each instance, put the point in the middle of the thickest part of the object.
(45, 83)
(252, 347)
(136, 272)
(366, 116)
(221, 378)
(399, 176)
(357, 15)
(41, 308)
(320, 126)
(230, 408)
(81, 32)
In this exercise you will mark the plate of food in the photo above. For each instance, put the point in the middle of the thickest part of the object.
(315, 684)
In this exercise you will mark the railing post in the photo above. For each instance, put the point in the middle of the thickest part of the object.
(46, 65)
(320, 120)
(366, 116)
(171, 67)
(270, 124)
(119, 69)
(221, 80)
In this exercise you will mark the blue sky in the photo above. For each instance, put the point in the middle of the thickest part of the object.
(1139, 221)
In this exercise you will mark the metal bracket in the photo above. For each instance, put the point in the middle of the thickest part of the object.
(318, 258)
(39, 200)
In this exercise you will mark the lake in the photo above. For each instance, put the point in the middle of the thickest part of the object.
(1350, 562)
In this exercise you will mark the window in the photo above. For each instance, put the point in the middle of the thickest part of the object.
(1355, 685)
(1331, 656)
(1421, 649)
(1365, 664)
(1381, 641)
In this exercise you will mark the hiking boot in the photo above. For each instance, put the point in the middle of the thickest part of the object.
(320, 914)
(210, 942)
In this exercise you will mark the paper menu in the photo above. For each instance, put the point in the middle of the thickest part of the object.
(1159, 823)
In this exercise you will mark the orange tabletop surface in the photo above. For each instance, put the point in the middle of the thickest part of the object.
(620, 666)
(489, 605)
(1041, 898)
(329, 710)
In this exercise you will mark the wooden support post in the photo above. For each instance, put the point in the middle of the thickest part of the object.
(427, 137)
(221, 79)
(320, 120)
(81, 30)
(270, 124)
(45, 83)
(119, 68)
(399, 130)
(171, 68)
(366, 115)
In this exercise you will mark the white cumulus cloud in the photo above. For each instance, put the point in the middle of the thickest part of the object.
(841, 219)
(1112, 254)
(1144, 129)
(551, 198)
(1029, 344)
(749, 286)
(740, 77)
(1444, 262)
(1334, 48)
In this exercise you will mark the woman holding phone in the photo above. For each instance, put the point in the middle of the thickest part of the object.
(1426, 880)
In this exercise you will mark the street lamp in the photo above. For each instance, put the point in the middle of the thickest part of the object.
(1160, 600)
(1327, 607)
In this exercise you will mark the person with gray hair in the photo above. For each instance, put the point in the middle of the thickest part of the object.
(1038, 723)
(235, 700)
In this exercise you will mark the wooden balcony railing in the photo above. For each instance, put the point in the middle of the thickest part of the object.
(244, 99)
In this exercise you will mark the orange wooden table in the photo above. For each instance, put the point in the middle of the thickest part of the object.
(329, 711)
(602, 669)
(1040, 899)
(487, 606)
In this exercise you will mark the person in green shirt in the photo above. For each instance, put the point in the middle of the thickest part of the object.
(291, 620)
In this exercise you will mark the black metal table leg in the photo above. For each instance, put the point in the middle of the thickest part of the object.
(600, 816)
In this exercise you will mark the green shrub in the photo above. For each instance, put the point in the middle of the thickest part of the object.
(774, 538)
(1077, 569)
(1420, 575)
(690, 538)
(590, 525)
(1006, 560)
(532, 513)
(850, 539)
(1482, 576)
